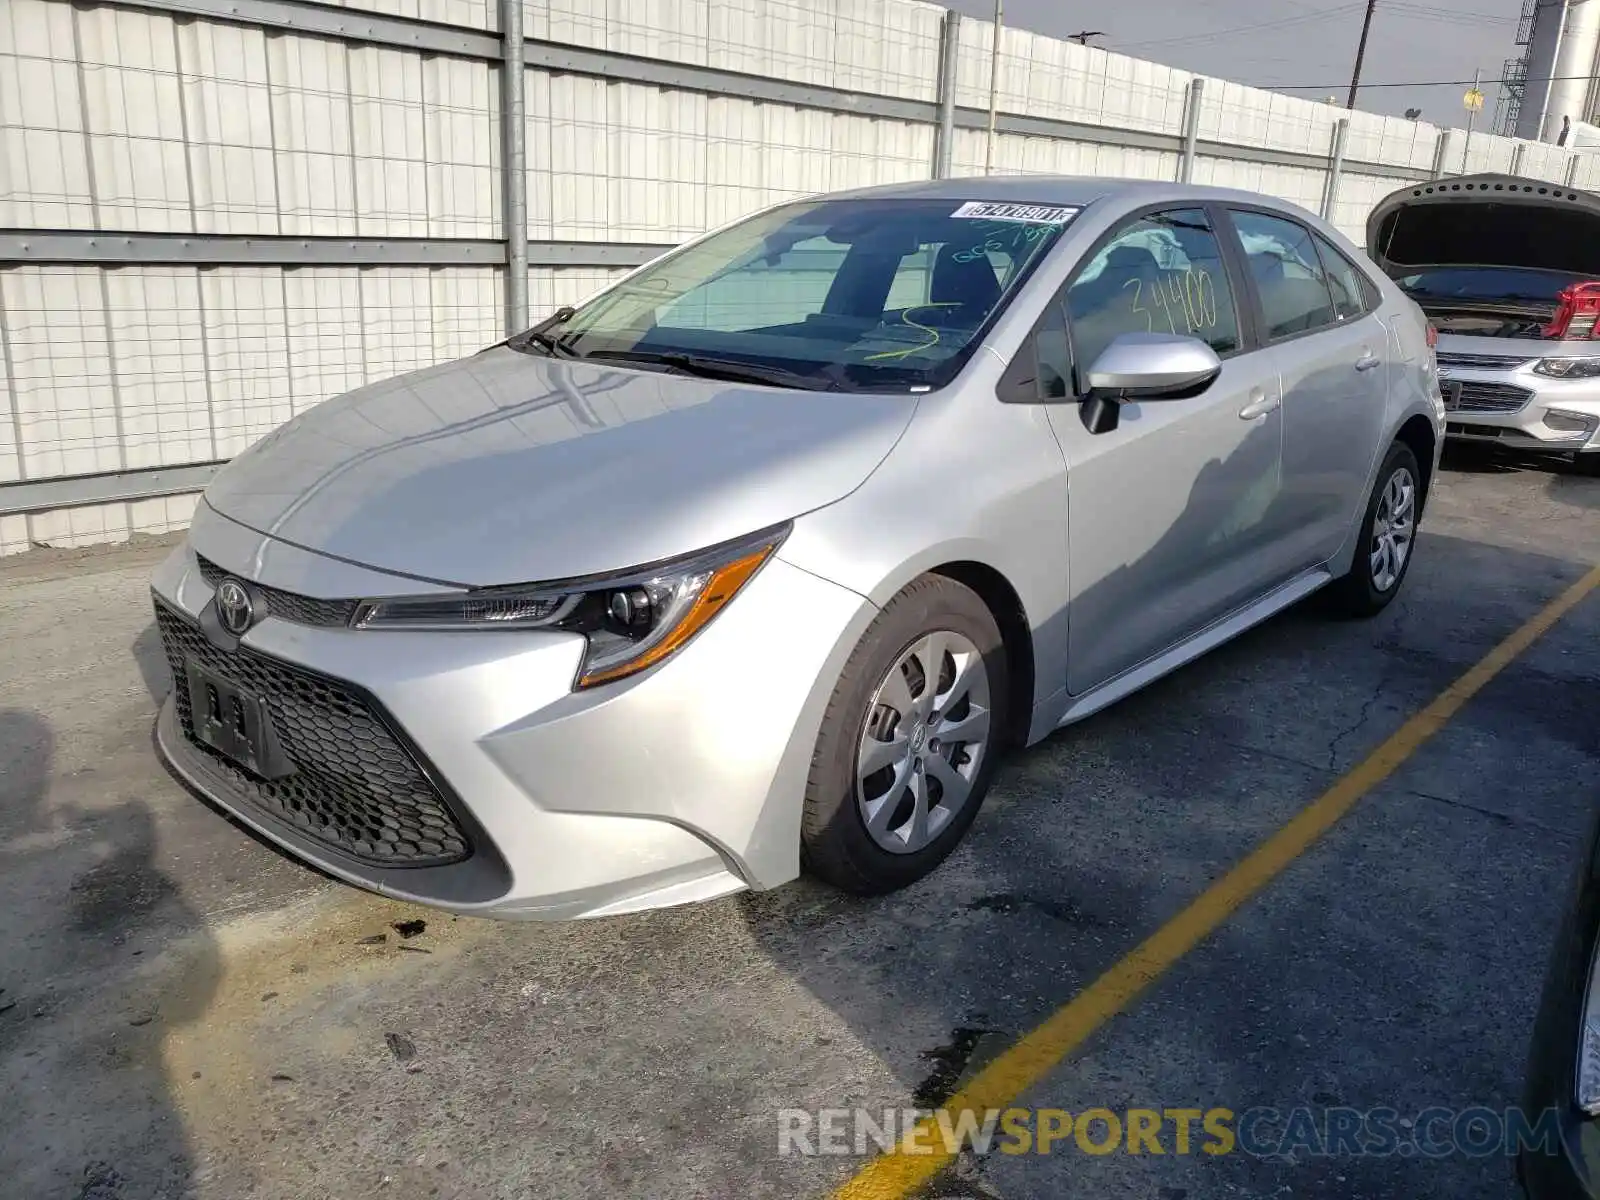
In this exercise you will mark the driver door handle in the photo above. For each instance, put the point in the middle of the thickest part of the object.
(1260, 404)
(1367, 361)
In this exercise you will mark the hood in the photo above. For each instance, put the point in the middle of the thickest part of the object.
(1486, 221)
(510, 468)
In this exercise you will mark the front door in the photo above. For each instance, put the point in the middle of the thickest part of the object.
(1166, 513)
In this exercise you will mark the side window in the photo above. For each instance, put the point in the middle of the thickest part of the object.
(1294, 289)
(1160, 273)
(1350, 298)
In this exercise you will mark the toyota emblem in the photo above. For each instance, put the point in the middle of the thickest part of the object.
(234, 606)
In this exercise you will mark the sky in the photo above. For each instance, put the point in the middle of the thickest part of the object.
(1293, 42)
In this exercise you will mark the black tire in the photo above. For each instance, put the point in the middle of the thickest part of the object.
(834, 842)
(1356, 594)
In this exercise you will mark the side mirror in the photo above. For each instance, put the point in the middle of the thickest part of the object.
(1145, 366)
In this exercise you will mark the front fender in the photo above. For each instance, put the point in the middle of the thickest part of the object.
(972, 480)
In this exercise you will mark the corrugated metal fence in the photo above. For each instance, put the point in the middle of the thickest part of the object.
(215, 213)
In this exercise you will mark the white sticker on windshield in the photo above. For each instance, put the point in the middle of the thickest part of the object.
(991, 210)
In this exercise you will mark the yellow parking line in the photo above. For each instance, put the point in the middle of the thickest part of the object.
(922, 1153)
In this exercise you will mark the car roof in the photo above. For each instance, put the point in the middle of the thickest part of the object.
(1062, 189)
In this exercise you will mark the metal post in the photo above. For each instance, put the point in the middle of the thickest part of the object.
(1440, 152)
(1517, 153)
(1330, 194)
(949, 55)
(1191, 129)
(994, 84)
(514, 166)
(1466, 147)
(1572, 169)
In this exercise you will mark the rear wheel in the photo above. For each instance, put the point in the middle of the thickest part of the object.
(1389, 530)
(908, 744)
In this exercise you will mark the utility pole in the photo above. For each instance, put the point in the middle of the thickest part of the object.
(1473, 103)
(994, 86)
(1361, 53)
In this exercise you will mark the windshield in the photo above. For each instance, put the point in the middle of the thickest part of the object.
(1508, 284)
(847, 294)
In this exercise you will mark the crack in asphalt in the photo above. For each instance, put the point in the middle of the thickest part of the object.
(1514, 821)
(1385, 678)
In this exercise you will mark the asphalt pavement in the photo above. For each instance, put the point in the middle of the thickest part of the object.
(186, 1013)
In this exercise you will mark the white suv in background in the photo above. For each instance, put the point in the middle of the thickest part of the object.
(1508, 271)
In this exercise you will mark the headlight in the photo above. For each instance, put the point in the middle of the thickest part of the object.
(632, 620)
(1568, 368)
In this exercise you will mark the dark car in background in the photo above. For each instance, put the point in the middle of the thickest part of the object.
(1564, 1057)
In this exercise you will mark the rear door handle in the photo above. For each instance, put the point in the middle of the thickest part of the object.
(1260, 404)
(1367, 361)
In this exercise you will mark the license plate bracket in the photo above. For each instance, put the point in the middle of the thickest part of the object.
(230, 720)
(1452, 395)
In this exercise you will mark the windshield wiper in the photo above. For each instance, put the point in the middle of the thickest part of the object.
(711, 367)
(539, 335)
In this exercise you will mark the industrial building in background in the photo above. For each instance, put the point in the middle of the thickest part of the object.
(1551, 91)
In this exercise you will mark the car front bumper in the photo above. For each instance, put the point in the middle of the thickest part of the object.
(1513, 405)
(679, 784)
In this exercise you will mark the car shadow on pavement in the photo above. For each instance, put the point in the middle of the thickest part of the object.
(1569, 482)
(151, 659)
(101, 959)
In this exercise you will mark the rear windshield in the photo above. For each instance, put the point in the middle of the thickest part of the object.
(1508, 284)
(850, 294)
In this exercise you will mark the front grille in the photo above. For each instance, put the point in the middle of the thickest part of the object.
(1488, 397)
(356, 787)
(1482, 362)
(288, 606)
(1455, 427)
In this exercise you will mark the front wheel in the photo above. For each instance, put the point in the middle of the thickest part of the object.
(1389, 531)
(908, 744)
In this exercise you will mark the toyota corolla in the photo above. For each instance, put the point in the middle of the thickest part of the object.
(760, 559)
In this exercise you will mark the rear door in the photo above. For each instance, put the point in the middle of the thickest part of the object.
(1166, 512)
(1317, 315)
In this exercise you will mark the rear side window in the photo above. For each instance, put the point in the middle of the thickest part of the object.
(1296, 296)
(1352, 291)
(1160, 273)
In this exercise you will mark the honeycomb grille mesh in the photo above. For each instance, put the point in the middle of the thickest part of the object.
(289, 606)
(355, 788)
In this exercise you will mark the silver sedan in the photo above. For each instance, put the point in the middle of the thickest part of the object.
(760, 559)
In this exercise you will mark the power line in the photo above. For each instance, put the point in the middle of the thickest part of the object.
(1280, 23)
(1403, 8)
(1309, 17)
(1418, 83)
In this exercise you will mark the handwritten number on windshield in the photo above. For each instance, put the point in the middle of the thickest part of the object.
(1004, 237)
